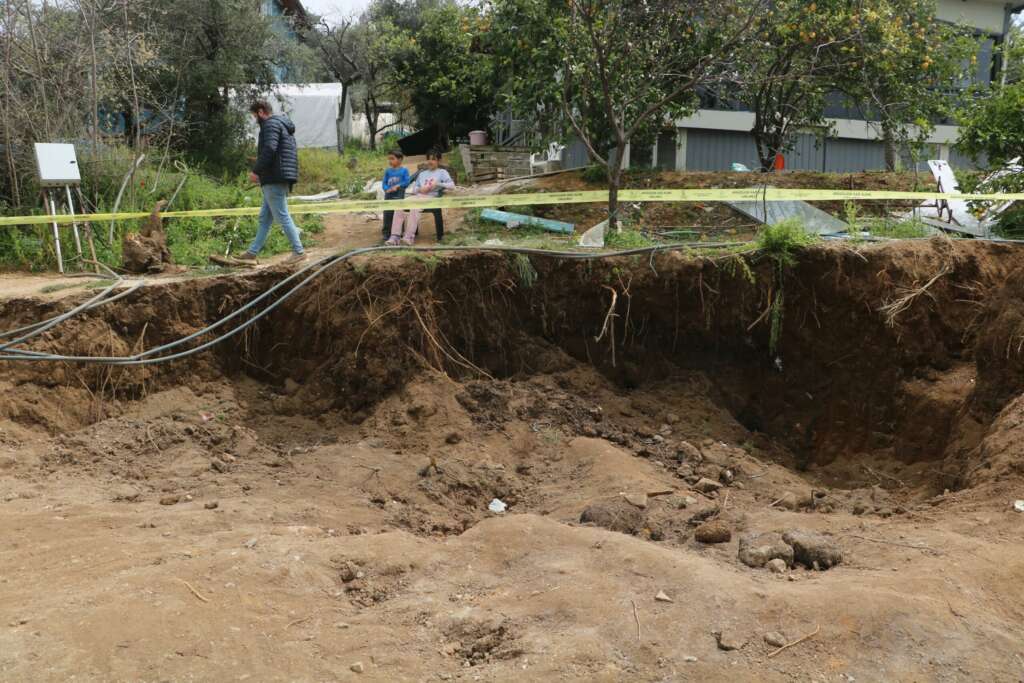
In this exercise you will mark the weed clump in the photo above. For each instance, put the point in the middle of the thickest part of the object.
(781, 243)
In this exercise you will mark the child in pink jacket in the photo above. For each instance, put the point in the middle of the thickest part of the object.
(429, 183)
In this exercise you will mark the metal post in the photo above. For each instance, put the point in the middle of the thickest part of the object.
(48, 198)
(88, 229)
(74, 223)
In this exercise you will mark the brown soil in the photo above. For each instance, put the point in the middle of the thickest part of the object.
(716, 220)
(311, 498)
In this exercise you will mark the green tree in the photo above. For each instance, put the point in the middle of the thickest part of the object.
(335, 46)
(620, 69)
(911, 69)
(206, 51)
(992, 125)
(444, 70)
(893, 57)
(376, 44)
(794, 61)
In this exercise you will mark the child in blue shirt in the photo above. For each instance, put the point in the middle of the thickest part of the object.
(396, 179)
(430, 182)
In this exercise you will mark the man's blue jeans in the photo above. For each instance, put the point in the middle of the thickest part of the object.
(275, 207)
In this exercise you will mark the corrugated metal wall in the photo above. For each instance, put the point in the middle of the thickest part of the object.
(845, 156)
(710, 150)
(575, 154)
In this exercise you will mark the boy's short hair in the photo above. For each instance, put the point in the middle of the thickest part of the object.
(434, 155)
(396, 153)
(258, 106)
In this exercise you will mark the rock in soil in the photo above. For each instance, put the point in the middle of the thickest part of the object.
(796, 501)
(705, 485)
(358, 668)
(662, 597)
(757, 550)
(212, 505)
(126, 494)
(728, 641)
(775, 639)
(347, 573)
(787, 501)
(636, 499)
(615, 515)
(810, 548)
(170, 500)
(715, 531)
(687, 453)
(777, 566)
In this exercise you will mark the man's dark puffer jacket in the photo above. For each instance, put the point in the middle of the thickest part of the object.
(277, 160)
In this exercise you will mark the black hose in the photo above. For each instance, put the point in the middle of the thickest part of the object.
(321, 265)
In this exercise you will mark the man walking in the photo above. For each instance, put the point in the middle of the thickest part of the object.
(277, 171)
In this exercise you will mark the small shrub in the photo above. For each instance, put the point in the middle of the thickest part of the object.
(782, 241)
(594, 175)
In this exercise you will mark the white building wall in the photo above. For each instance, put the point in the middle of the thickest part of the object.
(984, 15)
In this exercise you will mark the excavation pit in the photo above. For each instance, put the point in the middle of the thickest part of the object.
(354, 437)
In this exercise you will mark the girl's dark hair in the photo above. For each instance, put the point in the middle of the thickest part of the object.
(396, 153)
(434, 155)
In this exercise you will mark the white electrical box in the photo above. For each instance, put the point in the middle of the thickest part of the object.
(57, 164)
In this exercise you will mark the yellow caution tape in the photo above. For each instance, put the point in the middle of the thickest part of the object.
(532, 199)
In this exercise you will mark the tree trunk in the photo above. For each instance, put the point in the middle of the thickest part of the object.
(8, 99)
(767, 149)
(614, 183)
(137, 110)
(613, 201)
(95, 87)
(890, 148)
(371, 122)
(342, 128)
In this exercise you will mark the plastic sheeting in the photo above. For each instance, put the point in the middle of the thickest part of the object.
(314, 109)
(813, 219)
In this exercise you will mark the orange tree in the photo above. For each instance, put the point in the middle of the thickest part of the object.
(614, 71)
(796, 57)
(911, 69)
(891, 57)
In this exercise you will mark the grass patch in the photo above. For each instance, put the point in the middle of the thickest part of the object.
(321, 170)
(50, 289)
(191, 240)
(627, 238)
(910, 229)
(476, 232)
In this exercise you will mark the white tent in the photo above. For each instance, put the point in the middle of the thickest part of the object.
(316, 109)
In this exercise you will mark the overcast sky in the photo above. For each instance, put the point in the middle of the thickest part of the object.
(335, 9)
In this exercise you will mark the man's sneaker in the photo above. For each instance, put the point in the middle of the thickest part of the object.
(295, 258)
(246, 256)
